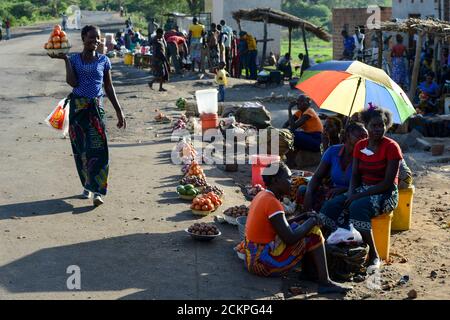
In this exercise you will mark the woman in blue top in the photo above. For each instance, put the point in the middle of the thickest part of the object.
(86, 73)
(336, 164)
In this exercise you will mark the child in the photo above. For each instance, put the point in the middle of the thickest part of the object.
(222, 80)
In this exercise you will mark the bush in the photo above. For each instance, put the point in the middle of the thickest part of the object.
(88, 5)
(22, 9)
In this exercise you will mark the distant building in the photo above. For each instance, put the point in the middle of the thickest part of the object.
(223, 9)
(348, 19)
(403, 9)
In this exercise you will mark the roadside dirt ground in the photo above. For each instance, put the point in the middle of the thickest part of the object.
(134, 246)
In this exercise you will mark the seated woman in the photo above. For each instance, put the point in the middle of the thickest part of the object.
(331, 131)
(429, 87)
(306, 125)
(373, 187)
(273, 246)
(284, 65)
(336, 164)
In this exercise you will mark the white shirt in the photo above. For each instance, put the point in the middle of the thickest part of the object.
(226, 29)
(359, 46)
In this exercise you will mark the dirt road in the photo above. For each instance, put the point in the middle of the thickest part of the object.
(134, 246)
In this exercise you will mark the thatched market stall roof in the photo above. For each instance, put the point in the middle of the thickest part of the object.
(430, 26)
(280, 18)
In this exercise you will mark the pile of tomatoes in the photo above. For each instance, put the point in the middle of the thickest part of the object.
(58, 39)
(206, 202)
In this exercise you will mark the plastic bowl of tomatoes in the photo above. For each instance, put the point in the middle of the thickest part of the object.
(58, 42)
(205, 204)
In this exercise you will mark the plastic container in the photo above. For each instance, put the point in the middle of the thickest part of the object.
(209, 121)
(207, 101)
(128, 59)
(381, 229)
(241, 221)
(259, 162)
(402, 214)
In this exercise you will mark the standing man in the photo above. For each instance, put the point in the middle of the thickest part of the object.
(349, 46)
(252, 54)
(195, 40)
(359, 44)
(160, 63)
(229, 40)
(235, 69)
(64, 21)
(151, 27)
(213, 46)
(243, 55)
(8, 28)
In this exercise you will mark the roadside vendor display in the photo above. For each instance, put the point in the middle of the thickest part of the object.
(198, 182)
(203, 231)
(58, 42)
(235, 212)
(187, 192)
(205, 204)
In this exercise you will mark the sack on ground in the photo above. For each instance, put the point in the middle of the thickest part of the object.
(255, 114)
(58, 119)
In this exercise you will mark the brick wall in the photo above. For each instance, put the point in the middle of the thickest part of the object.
(352, 17)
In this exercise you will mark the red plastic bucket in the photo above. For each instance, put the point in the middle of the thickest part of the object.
(209, 121)
(259, 162)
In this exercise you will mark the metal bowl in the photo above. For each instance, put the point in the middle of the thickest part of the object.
(201, 237)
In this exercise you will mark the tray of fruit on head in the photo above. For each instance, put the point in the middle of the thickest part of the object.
(232, 213)
(187, 192)
(204, 204)
(58, 42)
(203, 231)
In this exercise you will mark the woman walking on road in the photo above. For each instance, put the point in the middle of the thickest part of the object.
(87, 72)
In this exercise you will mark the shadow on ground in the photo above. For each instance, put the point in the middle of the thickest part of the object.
(42, 207)
(163, 266)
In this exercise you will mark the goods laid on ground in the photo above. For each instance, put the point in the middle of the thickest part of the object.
(161, 117)
(255, 114)
(58, 42)
(195, 170)
(180, 124)
(205, 204)
(240, 250)
(194, 180)
(237, 211)
(188, 191)
(181, 103)
(219, 192)
(253, 191)
(203, 231)
(187, 152)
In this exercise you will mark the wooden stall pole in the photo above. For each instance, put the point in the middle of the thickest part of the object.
(380, 48)
(266, 20)
(304, 41)
(415, 72)
(290, 42)
(436, 53)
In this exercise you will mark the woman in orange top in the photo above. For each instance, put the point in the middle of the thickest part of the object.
(305, 124)
(273, 245)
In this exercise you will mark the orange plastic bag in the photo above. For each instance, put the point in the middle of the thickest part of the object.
(58, 119)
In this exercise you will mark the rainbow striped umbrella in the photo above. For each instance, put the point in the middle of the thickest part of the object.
(346, 87)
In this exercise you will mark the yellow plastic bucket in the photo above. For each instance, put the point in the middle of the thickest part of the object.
(381, 229)
(402, 214)
(128, 59)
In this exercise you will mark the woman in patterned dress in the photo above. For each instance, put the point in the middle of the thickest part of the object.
(87, 72)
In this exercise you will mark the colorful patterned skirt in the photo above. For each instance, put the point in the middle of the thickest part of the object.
(399, 70)
(89, 143)
(360, 212)
(275, 258)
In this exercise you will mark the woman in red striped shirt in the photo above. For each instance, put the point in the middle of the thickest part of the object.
(373, 188)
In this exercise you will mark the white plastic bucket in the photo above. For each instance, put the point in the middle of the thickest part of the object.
(207, 101)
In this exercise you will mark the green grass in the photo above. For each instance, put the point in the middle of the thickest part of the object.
(318, 49)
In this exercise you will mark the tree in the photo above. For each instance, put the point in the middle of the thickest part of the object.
(195, 6)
